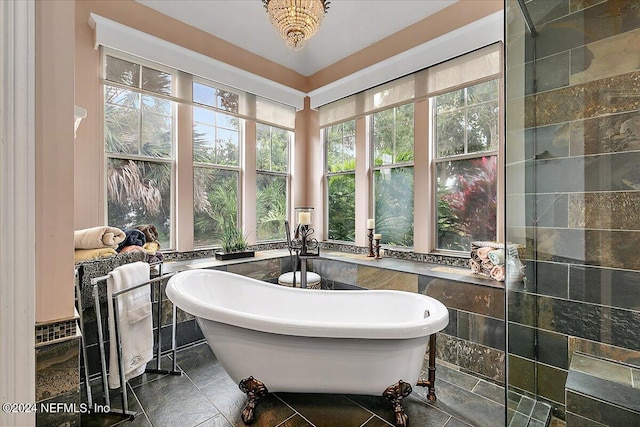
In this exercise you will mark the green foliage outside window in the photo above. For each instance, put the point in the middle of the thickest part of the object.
(272, 163)
(340, 144)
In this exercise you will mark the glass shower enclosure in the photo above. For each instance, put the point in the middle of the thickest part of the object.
(572, 96)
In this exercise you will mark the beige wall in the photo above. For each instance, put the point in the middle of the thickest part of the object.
(54, 165)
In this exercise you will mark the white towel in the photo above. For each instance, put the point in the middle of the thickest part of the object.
(135, 325)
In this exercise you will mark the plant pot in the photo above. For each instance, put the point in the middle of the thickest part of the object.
(223, 256)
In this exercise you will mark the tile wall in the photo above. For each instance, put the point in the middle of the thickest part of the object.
(582, 194)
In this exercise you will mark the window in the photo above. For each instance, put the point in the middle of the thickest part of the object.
(216, 163)
(466, 148)
(392, 141)
(272, 178)
(139, 122)
(340, 146)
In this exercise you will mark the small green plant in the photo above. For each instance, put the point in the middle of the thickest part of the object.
(233, 240)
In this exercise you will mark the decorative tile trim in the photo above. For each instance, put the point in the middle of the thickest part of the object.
(55, 331)
(451, 260)
(210, 252)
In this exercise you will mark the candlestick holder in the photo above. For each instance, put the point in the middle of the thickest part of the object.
(370, 236)
(377, 249)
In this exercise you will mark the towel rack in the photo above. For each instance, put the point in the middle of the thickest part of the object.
(114, 299)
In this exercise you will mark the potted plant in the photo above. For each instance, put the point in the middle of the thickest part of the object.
(234, 244)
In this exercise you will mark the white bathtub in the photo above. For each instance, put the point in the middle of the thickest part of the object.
(310, 341)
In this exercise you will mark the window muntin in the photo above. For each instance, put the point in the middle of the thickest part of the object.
(340, 149)
(216, 141)
(138, 137)
(466, 144)
(392, 141)
(272, 178)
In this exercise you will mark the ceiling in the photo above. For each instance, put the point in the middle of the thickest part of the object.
(348, 27)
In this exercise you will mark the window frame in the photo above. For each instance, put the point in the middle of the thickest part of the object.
(328, 175)
(171, 160)
(287, 174)
(215, 166)
(434, 159)
(396, 165)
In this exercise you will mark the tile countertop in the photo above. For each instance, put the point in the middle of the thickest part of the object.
(406, 266)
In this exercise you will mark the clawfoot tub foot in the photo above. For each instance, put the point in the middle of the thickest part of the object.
(394, 394)
(254, 390)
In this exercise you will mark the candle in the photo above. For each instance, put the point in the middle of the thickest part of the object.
(304, 218)
(377, 236)
(371, 223)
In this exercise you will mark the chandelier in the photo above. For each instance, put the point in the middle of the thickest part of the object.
(296, 20)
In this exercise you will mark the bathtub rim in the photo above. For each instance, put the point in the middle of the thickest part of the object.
(436, 321)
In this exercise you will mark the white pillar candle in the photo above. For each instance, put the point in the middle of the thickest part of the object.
(304, 218)
(371, 223)
(377, 236)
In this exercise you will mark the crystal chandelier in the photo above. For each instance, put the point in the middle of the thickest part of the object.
(296, 20)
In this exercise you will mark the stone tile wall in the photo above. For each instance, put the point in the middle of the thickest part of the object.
(582, 195)
(58, 380)
(473, 340)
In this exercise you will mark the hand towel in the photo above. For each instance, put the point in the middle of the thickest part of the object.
(496, 257)
(133, 237)
(135, 325)
(98, 237)
(88, 254)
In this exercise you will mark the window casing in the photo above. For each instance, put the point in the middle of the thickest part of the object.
(217, 150)
(392, 140)
(272, 181)
(466, 143)
(340, 166)
(139, 136)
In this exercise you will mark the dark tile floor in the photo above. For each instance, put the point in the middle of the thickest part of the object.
(205, 396)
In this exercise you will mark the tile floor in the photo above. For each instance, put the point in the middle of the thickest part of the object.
(205, 396)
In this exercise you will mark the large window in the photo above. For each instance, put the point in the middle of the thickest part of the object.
(272, 177)
(340, 145)
(392, 141)
(216, 163)
(139, 121)
(466, 148)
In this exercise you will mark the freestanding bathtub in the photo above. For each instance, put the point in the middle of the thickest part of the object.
(272, 338)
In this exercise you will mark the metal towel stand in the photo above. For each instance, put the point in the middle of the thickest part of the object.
(114, 299)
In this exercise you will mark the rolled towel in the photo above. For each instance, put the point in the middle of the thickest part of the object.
(133, 237)
(157, 257)
(497, 257)
(150, 232)
(483, 253)
(475, 267)
(497, 273)
(89, 254)
(487, 266)
(98, 237)
(151, 247)
(131, 248)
